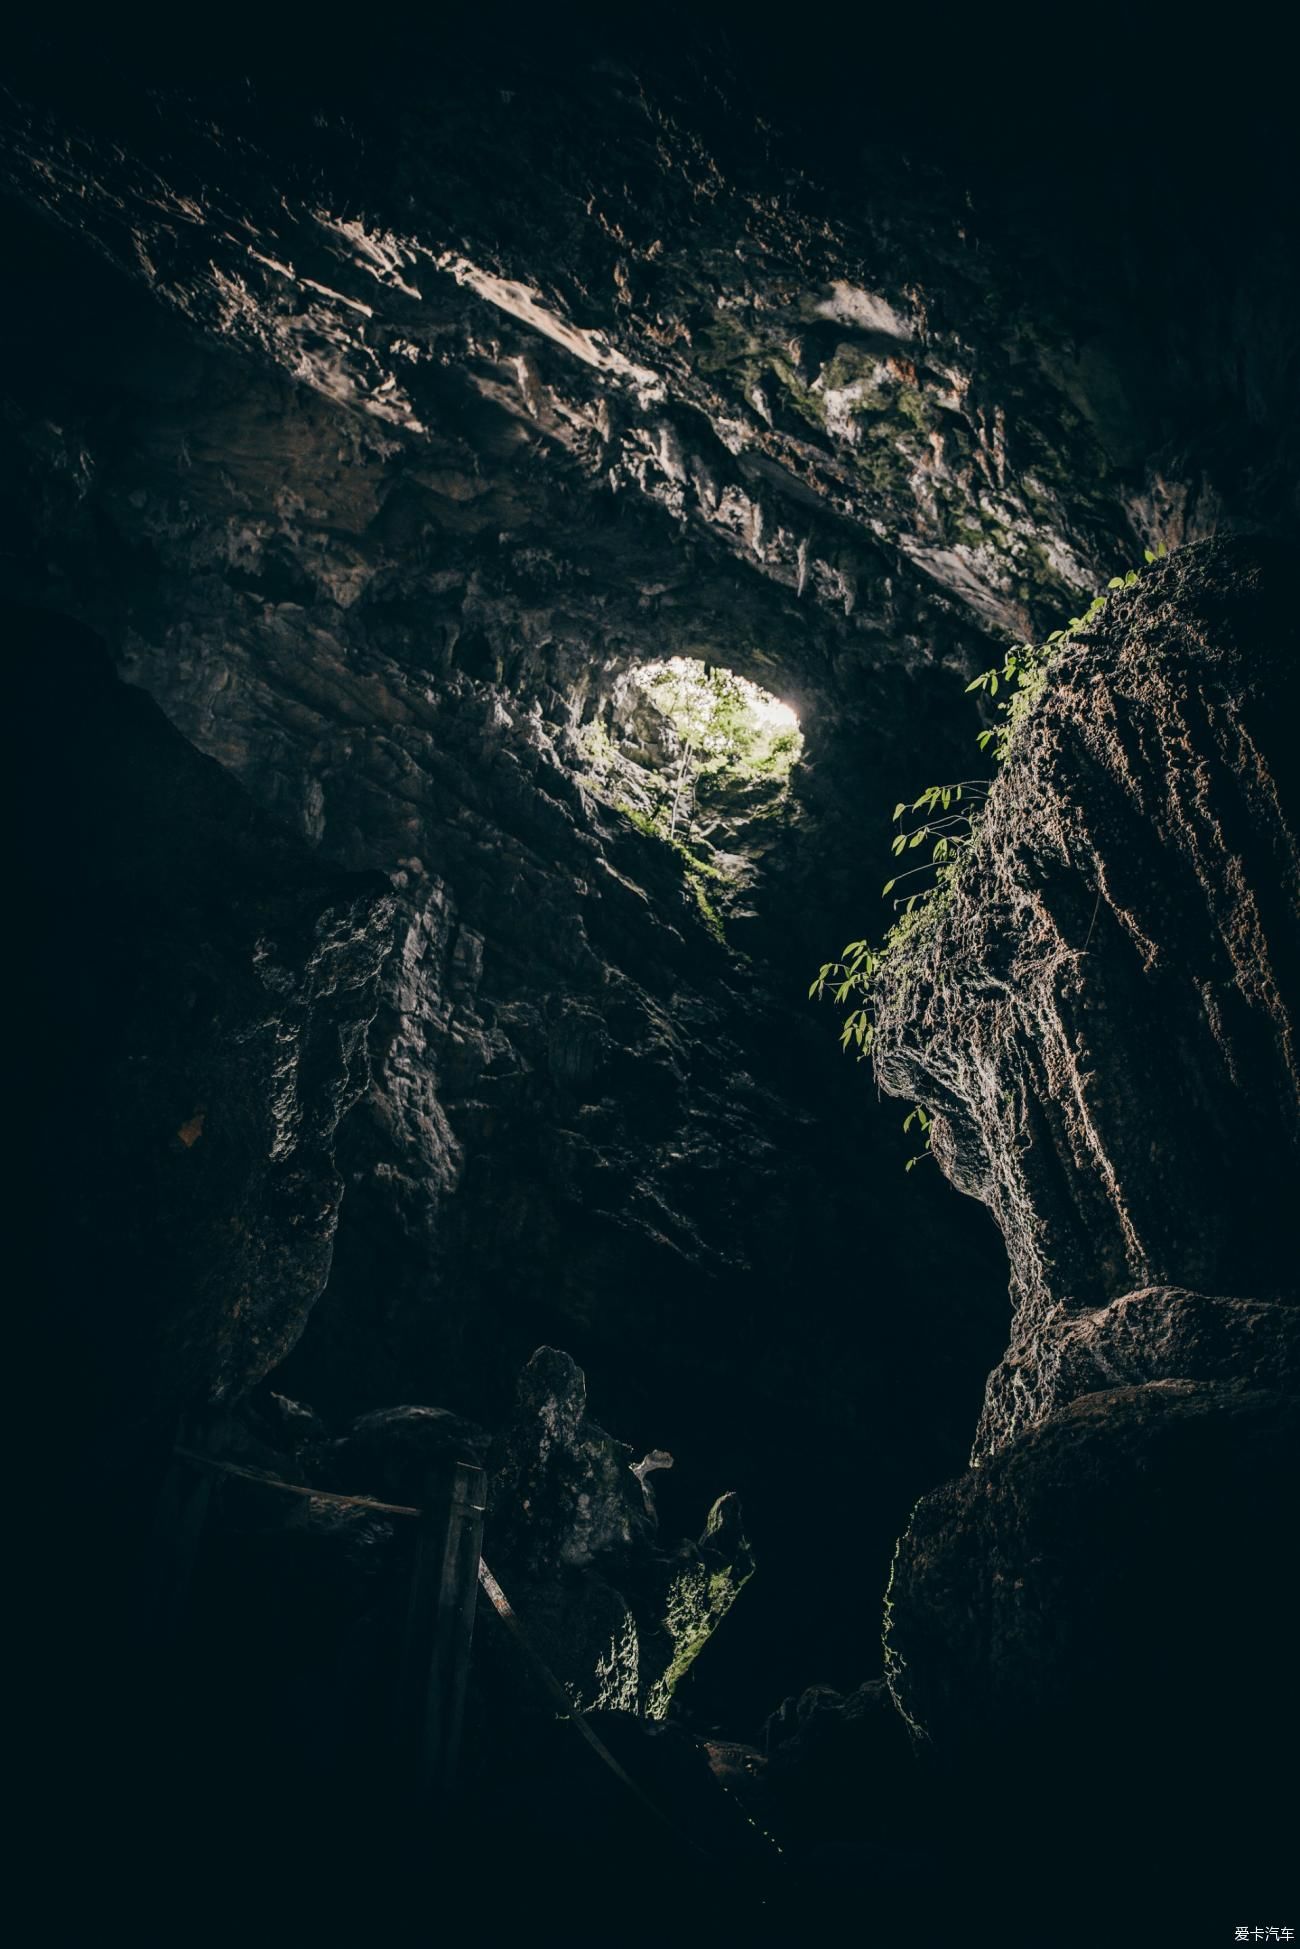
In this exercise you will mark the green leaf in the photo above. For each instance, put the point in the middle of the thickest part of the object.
(1116, 582)
(888, 887)
(899, 809)
(1147, 555)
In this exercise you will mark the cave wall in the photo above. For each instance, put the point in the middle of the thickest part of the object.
(1105, 1018)
(201, 1008)
(413, 415)
(586, 1122)
(1102, 1016)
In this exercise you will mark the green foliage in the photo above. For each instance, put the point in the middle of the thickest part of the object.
(598, 748)
(723, 727)
(647, 822)
(724, 724)
(1022, 674)
(924, 1123)
(698, 873)
(696, 877)
(948, 827)
(1023, 670)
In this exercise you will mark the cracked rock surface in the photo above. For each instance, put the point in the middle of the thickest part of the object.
(1104, 1016)
(380, 416)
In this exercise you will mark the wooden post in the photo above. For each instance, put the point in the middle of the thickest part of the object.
(440, 1626)
(178, 1531)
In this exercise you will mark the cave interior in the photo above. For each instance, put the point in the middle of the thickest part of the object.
(493, 520)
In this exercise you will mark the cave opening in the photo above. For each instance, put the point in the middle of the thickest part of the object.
(699, 757)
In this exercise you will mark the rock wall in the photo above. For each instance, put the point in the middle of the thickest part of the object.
(201, 1010)
(424, 400)
(1084, 1636)
(1104, 1020)
(587, 1119)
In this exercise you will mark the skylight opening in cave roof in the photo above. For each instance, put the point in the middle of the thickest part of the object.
(726, 722)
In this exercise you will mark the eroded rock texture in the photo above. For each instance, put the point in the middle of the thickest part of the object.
(619, 1616)
(211, 988)
(1105, 1018)
(381, 411)
(1088, 1626)
(392, 617)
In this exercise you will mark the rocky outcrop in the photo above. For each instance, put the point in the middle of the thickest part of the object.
(1105, 1544)
(834, 1773)
(407, 429)
(1104, 1017)
(211, 1022)
(825, 389)
(619, 1615)
(589, 1118)
(426, 399)
(1088, 1626)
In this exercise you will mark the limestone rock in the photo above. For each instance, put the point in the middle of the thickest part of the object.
(1098, 1608)
(572, 1537)
(1104, 1017)
(213, 1041)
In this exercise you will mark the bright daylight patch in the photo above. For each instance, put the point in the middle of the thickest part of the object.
(725, 725)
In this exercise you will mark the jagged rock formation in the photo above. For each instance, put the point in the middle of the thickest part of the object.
(1105, 1018)
(820, 391)
(1087, 1628)
(423, 403)
(587, 1119)
(212, 1027)
(619, 1616)
(834, 1774)
(316, 1590)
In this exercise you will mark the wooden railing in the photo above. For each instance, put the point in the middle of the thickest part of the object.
(447, 1573)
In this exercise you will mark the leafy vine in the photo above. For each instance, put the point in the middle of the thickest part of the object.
(949, 824)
